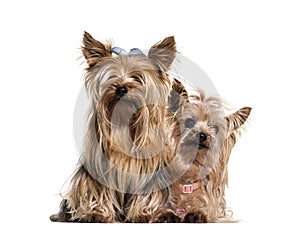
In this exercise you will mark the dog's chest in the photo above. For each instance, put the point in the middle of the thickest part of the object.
(190, 176)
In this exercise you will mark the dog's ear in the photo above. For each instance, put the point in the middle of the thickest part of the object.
(164, 52)
(177, 95)
(237, 119)
(93, 50)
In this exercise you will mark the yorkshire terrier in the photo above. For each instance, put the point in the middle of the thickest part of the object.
(119, 175)
(204, 138)
(151, 153)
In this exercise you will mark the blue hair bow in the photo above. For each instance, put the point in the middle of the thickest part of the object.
(133, 52)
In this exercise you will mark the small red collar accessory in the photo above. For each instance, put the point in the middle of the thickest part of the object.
(189, 188)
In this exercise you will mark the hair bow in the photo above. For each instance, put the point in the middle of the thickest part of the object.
(133, 52)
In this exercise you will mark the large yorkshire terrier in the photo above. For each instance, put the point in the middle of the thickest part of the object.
(204, 139)
(119, 176)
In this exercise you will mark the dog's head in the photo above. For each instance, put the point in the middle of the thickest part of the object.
(129, 90)
(199, 132)
(199, 128)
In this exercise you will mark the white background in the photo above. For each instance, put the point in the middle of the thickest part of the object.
(250, 50)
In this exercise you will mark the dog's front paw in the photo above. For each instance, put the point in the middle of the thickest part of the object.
(64, 213)
(166, 217)
(195, 217)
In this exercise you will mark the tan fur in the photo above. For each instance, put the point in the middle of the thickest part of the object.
(137, 150)
(125, 145)
(209, 166)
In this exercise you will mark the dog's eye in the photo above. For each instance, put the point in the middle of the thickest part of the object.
(189, 123)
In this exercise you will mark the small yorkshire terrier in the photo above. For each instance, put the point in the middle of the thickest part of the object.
(204, 138)
(118, 177)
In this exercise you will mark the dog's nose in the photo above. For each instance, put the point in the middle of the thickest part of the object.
(201, 136)
(121, 91)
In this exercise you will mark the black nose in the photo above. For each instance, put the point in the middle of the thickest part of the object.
(202, 137)
(121, 91)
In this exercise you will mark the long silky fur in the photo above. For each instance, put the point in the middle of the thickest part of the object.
(118, 177)
(209, 200)
(219, 177)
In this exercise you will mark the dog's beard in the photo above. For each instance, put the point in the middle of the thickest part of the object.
(135, 136)
(132, 142)
(135, 123)
(126, 166)
(195, 154)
